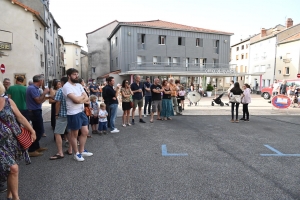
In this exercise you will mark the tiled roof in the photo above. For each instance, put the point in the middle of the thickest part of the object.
(172, 26)
(102, 27)
(271, 32)
(292, 38)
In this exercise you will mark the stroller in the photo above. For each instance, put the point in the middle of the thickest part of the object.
(218, 100)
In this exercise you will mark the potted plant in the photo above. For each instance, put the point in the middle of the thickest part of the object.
(209, 90)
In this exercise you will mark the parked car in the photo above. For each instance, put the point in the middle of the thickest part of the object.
(266, 92)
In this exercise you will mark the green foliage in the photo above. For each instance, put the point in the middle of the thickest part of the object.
(209, 87)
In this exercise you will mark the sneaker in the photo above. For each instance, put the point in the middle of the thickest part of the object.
(236, 121)
(86, 153)
(232, 121)
(78, 157)
(128, 124)
(145, 115)
(142, 121)
(246, 120)
(115, 131)
(132, 121)
(124, 125)
(104, 132)
(243, 119)
(178, 113)
(35, 154)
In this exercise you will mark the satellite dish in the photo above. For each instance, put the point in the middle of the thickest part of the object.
(194, 97)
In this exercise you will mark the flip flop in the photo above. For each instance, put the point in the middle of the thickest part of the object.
(67, 152)
(151, 121)
(55, 157)
(89, 136)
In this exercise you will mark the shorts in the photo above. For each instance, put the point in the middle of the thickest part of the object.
(94, 120)
(136, 102)
(75, 122)
(275, 93)
(61, 125)
(182, 97)
(156, 103)
(126, 106)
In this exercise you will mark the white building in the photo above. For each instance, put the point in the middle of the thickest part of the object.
(72, 56)
(22, 35)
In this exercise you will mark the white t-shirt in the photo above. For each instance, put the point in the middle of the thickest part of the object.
(275, 87)
(102, 113)
(77, 90)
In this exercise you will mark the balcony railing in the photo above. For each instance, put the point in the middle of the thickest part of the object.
(287, 60)
(164, 66)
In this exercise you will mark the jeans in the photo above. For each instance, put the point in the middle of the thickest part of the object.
(36, 118)
(147, 101)
(25, 114)
(108, 114)
(175, 105)
(102, 126)
(245, 111)
(236, 110)
(113, 115)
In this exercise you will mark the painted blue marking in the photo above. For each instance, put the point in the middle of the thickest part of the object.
(164, 152)
(278, 153)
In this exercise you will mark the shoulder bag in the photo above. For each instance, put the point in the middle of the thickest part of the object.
(87, 111)
(235, 98)
(24, 138)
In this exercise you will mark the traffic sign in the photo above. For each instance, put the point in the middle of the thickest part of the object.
(2, 68)
(298, 75)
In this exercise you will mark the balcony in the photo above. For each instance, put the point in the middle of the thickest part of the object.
(181, 67)
(287, 60)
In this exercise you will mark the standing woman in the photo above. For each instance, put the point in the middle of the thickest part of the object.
(56, 84)
(126, 94)
(11, 153)
(235, 100)
(246, 99)
(181, 95)
(167, 107)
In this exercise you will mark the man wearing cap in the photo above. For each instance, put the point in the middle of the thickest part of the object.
(17, 93)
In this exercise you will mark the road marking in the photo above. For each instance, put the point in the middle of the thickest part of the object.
(164, 152)
(278, 153)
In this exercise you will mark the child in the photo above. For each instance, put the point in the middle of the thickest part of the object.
(94, 110)
(102, 119)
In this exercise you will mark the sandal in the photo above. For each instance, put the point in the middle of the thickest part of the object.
(89, 136)
(67, 152)
(159, 119)
(151, 121)
(169, 118)
(56, 156)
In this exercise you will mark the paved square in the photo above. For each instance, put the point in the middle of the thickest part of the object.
(223, 161)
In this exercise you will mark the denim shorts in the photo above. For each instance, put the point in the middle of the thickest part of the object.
(75, 122)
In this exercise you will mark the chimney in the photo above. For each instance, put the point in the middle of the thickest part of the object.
(289, 23)
(76, 42)
(263, 32)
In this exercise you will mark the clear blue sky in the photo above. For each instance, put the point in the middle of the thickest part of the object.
(243, 18)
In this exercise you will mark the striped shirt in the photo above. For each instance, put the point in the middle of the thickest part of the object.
(63, 106)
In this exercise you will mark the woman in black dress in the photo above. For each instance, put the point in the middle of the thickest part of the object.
(55, 86)
(235, 100)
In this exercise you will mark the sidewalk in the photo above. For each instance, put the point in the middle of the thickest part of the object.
(258, 106)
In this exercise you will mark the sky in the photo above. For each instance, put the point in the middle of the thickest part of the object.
(241, 17)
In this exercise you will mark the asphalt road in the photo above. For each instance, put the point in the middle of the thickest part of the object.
(221, 160)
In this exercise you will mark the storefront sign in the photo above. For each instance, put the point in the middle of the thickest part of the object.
(5, 46)
(220, 71)
(281, 101)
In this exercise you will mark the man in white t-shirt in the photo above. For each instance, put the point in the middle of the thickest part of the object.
(75, 98)
(275, 90)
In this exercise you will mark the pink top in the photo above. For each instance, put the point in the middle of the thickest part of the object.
(247, 97)
(181, 93)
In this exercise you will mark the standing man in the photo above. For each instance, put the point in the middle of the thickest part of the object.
(174, 90)
(156, 91)
(94, 88)
(283, 88)
(112, 99)
(137, 89)
(148, 96)
(6, 84)
(61, 120)
(17, 93)
(105, 99)
(34, 101)
(75, 98)
(275, 90)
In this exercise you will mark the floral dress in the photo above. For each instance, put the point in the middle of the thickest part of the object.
(10, 150)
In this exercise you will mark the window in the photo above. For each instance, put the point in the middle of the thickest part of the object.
(154, 60)
(116, 41)
(169, 60)
(262, 68)
(36, 36)
(246, 55)
(196, 61)
(76, 62)
(50, 30)
(237, 48)
(247, 46)
(263, 82)
(48, 45)
(93, 69)
(242, 47)
(41, 39)
(237, 57)
(51, 49)
(181, 41)
(242, 56)
(215, 62)
(117, 62)
(76, 51)
(139, 60)
(143, 38)
(246, 69)
(187, 61)
(64, 49)
(216, 43)
(279, 71)
(287, 70)
(197, 42)
(162, 40)
(56, 42)
(268, 82)
(42, 63)
(175, 60)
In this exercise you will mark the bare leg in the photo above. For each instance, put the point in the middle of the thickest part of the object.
(83, 137)
(140, 112)
(13, 182)
(182, 103)
(73, 140)
(124, 117)
(58, 141)
(127, 117)
(132, 113)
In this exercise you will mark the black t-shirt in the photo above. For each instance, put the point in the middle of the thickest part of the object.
(137, 95)
(237, 91)
(110, 94)
(283, 89)
(95, 87)
(155, 96)
(167, 96)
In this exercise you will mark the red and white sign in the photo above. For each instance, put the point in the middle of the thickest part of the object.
(2, 68)
(281, 101)
(298, 75)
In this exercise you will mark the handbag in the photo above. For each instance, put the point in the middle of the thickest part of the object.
(24, 138)
(235, 98)
(87, 111)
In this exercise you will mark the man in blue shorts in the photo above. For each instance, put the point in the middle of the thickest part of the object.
(75, 98)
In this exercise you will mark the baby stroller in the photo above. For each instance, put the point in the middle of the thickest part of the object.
(218, 100)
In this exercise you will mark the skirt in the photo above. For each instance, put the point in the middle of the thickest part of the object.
(126, 106)
(166, 108)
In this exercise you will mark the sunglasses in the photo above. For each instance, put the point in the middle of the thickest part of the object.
(126, 82)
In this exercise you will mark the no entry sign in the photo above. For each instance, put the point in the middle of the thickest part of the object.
(2, 68)
(298, 75)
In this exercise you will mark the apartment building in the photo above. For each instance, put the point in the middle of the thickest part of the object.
(72, 54)
(22, 40)
(61, 52)
(160, 48)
